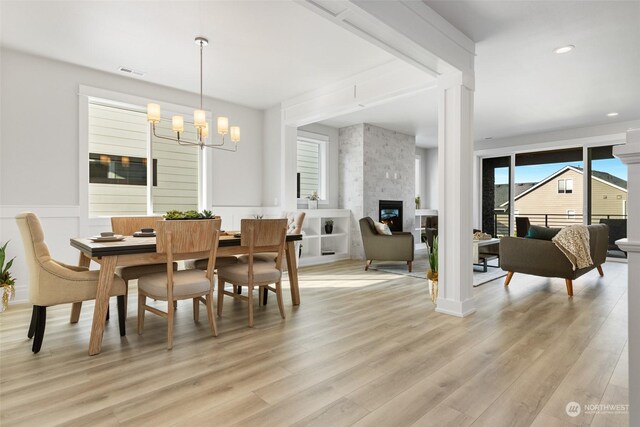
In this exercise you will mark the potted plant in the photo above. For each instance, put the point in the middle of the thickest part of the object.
(432, 273)
(328, 226)
(174, 214)
(417, 202)
(313, 200)
(7, 283)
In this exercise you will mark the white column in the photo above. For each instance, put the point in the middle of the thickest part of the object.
(288, 174)
(455, 194)
(630, 155)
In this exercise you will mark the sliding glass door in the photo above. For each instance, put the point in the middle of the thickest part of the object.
(607, 192)
(549, 187)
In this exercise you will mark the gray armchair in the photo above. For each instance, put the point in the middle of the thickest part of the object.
(543, 258)
(380, 247)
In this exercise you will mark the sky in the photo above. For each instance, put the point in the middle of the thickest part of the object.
(537, 173)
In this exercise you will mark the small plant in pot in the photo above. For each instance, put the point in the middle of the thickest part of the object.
(7, 283)
(432, 273)
(328, 226)
(313, 200)
(417, 202)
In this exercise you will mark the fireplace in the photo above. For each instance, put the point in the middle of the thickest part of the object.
(390, 213)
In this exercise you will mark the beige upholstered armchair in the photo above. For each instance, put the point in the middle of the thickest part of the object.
(52, 282)
(397, 247)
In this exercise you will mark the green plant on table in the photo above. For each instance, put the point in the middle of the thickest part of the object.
(191, 214)
(174, 214)
(313, 196)
(328, 222)
(417, 202)
(6, 281)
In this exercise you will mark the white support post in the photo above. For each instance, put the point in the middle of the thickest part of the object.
(455, 198)
(630, 155)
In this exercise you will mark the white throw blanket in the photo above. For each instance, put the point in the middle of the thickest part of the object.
(573, 241)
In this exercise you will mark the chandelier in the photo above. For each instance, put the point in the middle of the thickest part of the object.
(199, 121)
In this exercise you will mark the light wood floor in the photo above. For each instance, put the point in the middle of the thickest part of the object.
(364, 348)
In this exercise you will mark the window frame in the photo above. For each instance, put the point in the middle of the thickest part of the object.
(323, 159)
(88, 95)
(565, 186)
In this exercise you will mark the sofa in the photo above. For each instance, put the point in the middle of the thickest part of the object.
(542, 258)
(381, 247)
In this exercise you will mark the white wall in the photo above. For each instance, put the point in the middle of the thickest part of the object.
(39, 142)
(271, 160)
(430, 180)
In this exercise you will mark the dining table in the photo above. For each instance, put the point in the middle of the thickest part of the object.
(142, 250)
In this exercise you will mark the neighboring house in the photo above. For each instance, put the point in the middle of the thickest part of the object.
(502, 194)
(560, 195)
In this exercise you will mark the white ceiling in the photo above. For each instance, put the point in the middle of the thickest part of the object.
(260, 52)
(523, 87)
(412, 115)
(263, 52)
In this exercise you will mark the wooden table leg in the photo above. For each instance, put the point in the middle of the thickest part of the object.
(107, 269)
(292, 268)
(76, 307)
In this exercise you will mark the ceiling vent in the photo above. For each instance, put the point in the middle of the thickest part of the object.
(131, 72)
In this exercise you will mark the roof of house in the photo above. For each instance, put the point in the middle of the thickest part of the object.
(501, 194)
(605, 177)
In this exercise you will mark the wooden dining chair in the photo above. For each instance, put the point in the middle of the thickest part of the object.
(295, 221)
(126, 226)
(202, 264)
(181, 237)
(53, 282)
(257, 236)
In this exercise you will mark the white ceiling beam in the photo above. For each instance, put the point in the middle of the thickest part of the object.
(372, 87)
(409, 30)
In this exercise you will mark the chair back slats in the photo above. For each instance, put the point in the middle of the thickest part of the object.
(187, 236)
(127, 225)
(266, 233)
(263, 235)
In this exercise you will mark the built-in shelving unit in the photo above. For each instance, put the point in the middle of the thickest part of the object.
(419, 225)
(317, 244)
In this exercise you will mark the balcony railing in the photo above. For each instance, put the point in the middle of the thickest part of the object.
(501, 220)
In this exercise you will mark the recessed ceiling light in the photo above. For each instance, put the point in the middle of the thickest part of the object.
(612, 114)
(564, 49)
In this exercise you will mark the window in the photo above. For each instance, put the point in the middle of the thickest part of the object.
(565, 186)
(119, 141)
(312, 164)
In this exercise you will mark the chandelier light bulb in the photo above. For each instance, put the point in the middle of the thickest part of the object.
(235, 133)
(205, 130)
(223, 125)
(153, 113)
(199, 118)
(177, 123)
